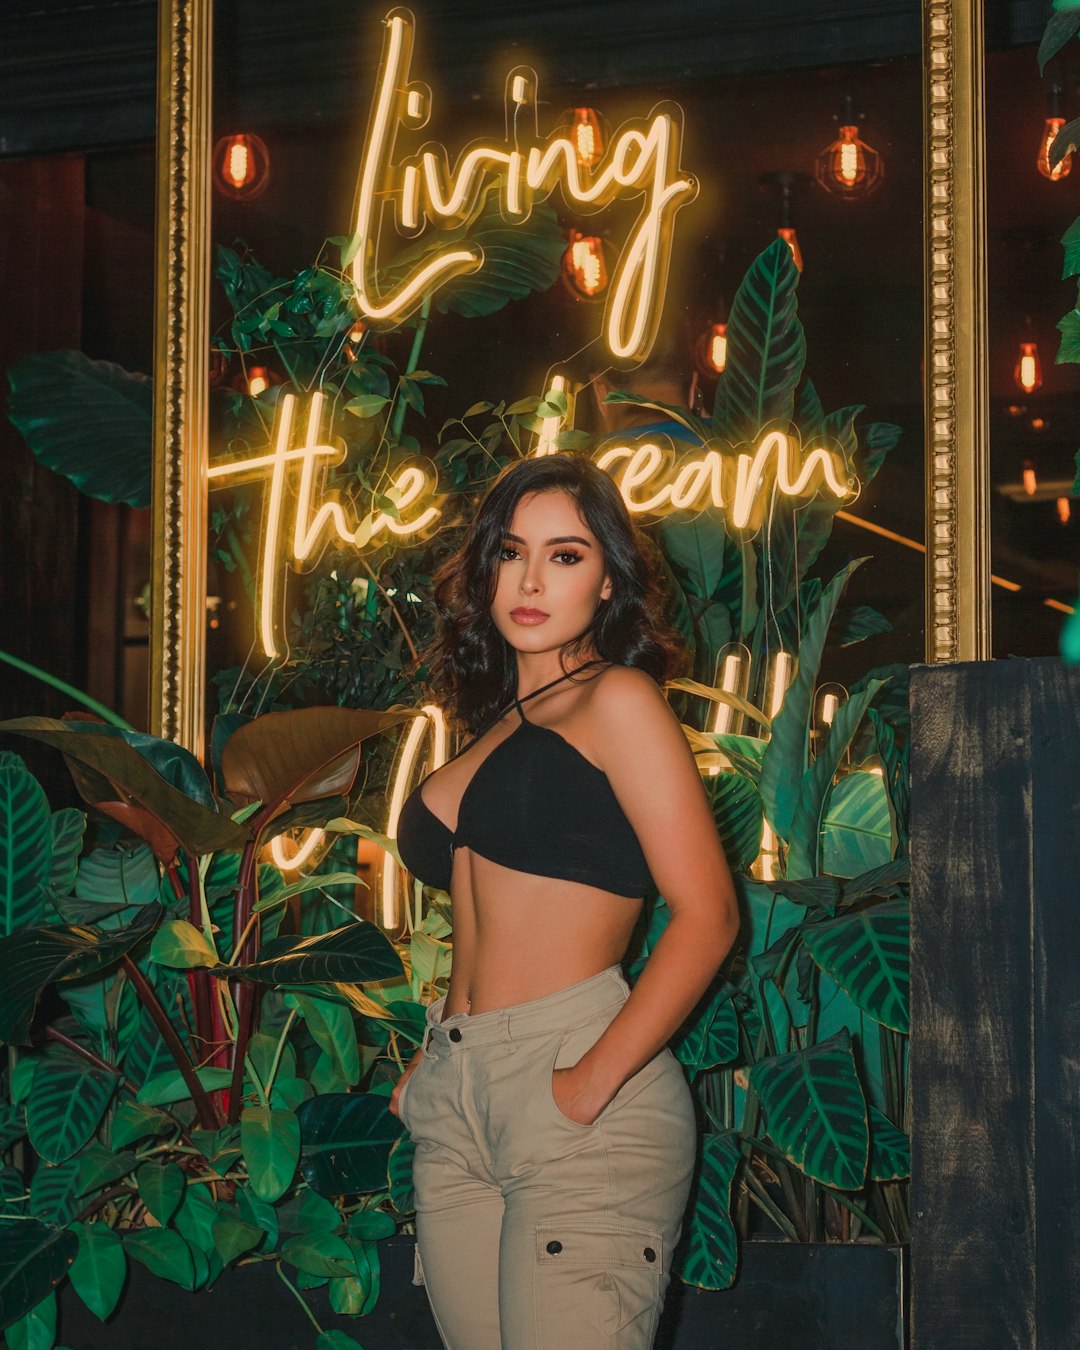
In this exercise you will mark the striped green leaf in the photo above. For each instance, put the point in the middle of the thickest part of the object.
(737, 810)
(12, 1124)
(100, 1268)
(67, 828)
(34, 1257)
(709, 1253)
(353, 953)
(25, 847)
(815, 1111)
(54, 1192)
(766, 348)
(710, 1035)
(866, 953)
(66, 1103)
(890, 1149)
(857, 831)
(399, 1175)
(347, 1138)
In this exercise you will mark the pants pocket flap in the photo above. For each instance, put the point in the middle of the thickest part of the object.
(604, 1244)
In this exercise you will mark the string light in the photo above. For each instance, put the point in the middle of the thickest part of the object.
(241, 166)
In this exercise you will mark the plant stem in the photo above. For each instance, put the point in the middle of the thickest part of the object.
(298, 1296)
(398, 423)
(114, 719)
(245, 1016)
(764, 1201)
(90, 1057)
(394, 610)
(280, 1048)
(209, 1117)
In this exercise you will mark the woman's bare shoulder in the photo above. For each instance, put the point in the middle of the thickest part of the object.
(624, 691)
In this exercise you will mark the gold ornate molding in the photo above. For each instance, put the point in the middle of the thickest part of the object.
(181, 346)
(957, 428)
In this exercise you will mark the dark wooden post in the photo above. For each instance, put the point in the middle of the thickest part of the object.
(995, 1057)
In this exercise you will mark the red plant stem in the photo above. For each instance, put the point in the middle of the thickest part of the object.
(199, 980)
(243, 994)
(245, 1015)
(209, 1117)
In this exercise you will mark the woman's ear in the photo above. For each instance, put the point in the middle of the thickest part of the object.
(605, 589)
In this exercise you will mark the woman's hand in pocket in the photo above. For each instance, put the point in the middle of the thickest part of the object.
(577, 1096)
(399, 1086)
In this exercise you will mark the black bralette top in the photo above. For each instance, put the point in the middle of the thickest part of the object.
(534, 805)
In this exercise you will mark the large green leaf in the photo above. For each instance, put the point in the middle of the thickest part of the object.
(815, 1111)
(890, 1149)
(233, 1235)
(180, 944)
(100, 1268)
(857, 828)
(784, 762)
(259, 1213)
(68, 827)
(98, 1166)
(866, 953)
(35, 1330)
(710, 1036)
(112, 774)
(399, 1175)
(133, 1121)
(816, 785)
(89, 420)
(736, 807)
(347, 1138)
(766, 348)
(34, 1258)
(117, 876)
(66, 1103)
(34, 958)
(355, 953)
(161, 1188)
(169, 1087)
(319, 1254)
(270, 1140)
(709, 1253)
(163, 1253)
(54, 1191)
(25, 847)
(334, 1031)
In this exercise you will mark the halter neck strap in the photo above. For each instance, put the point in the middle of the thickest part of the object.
(552, 683)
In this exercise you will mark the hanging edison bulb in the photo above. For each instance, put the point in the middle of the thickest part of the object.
(584, 268)
(1053, 124)
(1028, 370)
(241, 166)
(256, 380)
(1064, 510)
(588, 132)
(1030, 479)
(849, 168)
(710, 350)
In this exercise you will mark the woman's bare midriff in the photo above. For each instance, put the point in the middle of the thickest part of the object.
(519, 937)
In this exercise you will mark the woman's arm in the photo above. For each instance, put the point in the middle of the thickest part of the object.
(639, 744)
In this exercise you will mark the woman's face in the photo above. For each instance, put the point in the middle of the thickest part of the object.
(551, 575)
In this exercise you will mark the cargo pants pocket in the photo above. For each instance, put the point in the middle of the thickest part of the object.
(597, 1277)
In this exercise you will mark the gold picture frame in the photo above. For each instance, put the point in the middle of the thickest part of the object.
(957, 452)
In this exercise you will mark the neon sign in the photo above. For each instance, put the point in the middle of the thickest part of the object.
(300, 517)
(641, 160)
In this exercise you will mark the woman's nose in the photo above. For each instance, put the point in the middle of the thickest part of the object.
(530, 582)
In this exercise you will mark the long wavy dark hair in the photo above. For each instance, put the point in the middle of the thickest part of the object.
(473, 669)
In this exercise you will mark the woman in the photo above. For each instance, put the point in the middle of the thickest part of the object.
(555, 1133)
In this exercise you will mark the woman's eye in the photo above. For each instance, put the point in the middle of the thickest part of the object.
(568, 556)
(506, 553)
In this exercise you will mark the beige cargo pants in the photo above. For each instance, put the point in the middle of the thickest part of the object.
(535, 1232)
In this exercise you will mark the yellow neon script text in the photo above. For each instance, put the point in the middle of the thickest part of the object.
(736, 483)
(297, 477)
(642, 160)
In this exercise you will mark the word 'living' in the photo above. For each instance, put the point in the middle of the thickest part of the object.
(641, 160)
(295, 474)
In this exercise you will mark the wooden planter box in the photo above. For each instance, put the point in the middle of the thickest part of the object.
(806, 1297)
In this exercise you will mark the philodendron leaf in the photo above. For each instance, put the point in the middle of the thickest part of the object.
(709, 1253)
(98, 1271)
(270, 1140)
(399, 1175)
(163, 1253)
(354, 953)
(233, 1235)
(35, 1330)
(866, 953)
(89, 420)
(161, 1188)
(170, 1087)
(34, 1257)
(66, 1103)
(346, 1141)
(34, 958)
(301, 755)
(109, 772)
(182, 946)
(815, 1111)
(319, 1254)
(25, 847)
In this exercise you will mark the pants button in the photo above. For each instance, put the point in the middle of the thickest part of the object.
(649, 1254)
(454, 1033)
(554, 1248)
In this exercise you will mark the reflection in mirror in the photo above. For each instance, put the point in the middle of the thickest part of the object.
(346, 450)
(1031, 203)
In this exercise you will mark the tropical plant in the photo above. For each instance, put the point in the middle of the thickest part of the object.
(214, 1088)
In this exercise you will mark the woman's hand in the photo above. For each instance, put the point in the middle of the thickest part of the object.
(576, 1095)
(410, 1068)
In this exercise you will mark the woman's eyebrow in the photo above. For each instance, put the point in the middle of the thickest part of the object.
(562, 539)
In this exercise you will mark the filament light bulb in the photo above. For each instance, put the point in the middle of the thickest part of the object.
(241, 166)
(1063, 167)
(1031, 482)
(584, 268)
(848, 167)
(1064, 510)
(710, 352)
(1028, 371)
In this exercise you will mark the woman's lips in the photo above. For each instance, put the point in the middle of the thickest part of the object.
(528, 616)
